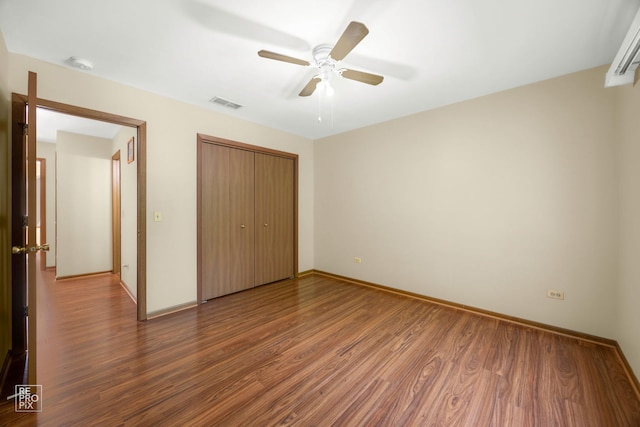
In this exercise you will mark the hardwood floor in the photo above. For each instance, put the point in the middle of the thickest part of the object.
(312, 352)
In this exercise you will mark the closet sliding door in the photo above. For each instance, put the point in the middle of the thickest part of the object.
(227, 230)
(274, 218)
(241, 219)
(246, 218)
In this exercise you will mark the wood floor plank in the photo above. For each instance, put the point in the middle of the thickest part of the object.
(311, 351)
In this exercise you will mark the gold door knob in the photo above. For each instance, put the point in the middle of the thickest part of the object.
(24, 249)
(242, 226)
(265, 224)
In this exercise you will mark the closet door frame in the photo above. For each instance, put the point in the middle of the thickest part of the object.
(207, 139)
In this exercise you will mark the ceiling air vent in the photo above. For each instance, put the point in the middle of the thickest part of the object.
(224, 102)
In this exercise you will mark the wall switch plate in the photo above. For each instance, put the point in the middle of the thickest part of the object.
(157, 216)
(357, 260)
(555, 294)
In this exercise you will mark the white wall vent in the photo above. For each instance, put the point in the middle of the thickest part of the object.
(624, 65)
(224, 102)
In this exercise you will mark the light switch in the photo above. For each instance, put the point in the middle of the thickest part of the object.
(157, 216)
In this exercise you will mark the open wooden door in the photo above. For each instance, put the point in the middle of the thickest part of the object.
(31, 226)
(23, 219)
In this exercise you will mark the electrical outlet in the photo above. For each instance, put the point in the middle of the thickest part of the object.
(357, 260)
(555, 294)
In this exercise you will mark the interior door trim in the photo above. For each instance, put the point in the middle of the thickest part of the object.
(43, 209)
(141, 160)
(116, 213)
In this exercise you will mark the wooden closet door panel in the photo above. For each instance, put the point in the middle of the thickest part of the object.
(274, 218)
(215, 221)
(242, 220)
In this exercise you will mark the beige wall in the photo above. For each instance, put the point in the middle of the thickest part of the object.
(171, 176)
(5, 212)
(487, 203)
(628, 295)
(83, 208)
(128, 204)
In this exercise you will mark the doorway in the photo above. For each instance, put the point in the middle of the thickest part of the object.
(139, 213)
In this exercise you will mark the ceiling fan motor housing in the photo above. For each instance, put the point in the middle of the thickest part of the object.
(323, 61)
(321, 55)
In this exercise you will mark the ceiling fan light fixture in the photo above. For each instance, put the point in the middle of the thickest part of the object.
(80, 63)
(325, 87)
(329, 90)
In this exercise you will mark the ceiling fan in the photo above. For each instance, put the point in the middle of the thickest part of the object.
(326, 59)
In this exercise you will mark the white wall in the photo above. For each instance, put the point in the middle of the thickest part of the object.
(47, 151)
(83, 190)
(171, 173)
(129, 215)
(628, 293)
(487, 203)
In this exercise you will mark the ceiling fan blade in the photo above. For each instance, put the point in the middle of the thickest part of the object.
(310, 87)
(354, 33)
(284, 58)
(361, 76)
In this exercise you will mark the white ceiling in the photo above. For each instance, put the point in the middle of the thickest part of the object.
(431, 52)
(50, 122)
